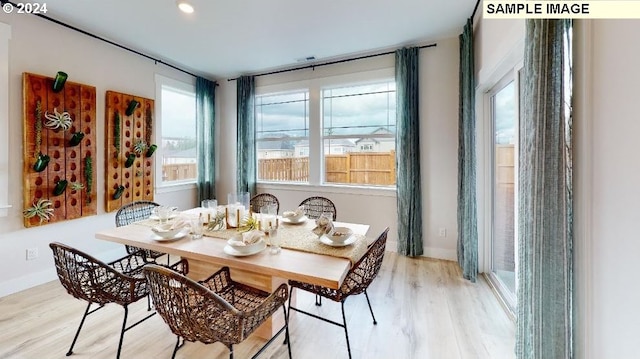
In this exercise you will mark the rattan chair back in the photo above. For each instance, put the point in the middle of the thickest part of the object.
(191, 310)
(262, 199)
(90, 279)
(134, 211)
(366, 269)
(219, 310)
(315, 206)
(356, 282)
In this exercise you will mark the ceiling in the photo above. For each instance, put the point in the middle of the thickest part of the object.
(229, 38)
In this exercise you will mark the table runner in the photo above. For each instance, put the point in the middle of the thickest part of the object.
(298, 237)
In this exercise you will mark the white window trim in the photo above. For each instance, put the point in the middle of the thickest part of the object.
(163, 187)
(315, 87)
(5, 36)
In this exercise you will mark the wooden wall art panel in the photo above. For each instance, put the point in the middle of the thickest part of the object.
(59, 132)
(129, 149)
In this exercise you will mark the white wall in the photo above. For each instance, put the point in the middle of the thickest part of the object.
(439, 146)
(41, 47)
(611, 189)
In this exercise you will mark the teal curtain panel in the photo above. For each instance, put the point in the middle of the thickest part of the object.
(467, 205)
(409, 193)
(246, 143)
(205, 138)
(544, 326)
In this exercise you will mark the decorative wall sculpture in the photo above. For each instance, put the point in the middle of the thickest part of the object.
(129, 149)
(59, 129)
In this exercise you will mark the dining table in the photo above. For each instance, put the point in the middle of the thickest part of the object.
(304, 256)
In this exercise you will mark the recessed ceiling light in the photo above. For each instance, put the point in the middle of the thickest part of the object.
(185, 7)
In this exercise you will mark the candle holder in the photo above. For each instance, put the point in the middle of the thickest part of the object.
(226, 217)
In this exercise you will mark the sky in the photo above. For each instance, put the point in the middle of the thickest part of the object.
(178, 114)
(371, 106)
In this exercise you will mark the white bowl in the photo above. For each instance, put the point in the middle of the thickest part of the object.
(339, 234)
(292, 216)
(240, 247)
(165, 230)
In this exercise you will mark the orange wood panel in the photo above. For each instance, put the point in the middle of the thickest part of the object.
(56, 151)
(113, 156)
(66, 162)
(135, 128)
(88, 122)
(72, 153)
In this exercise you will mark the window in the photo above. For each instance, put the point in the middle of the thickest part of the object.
(177, 159)
(282, 136)
(503, 99)
(360, 114)
(334, 131)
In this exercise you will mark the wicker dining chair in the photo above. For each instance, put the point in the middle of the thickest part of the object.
(316, 206)
(356, 282)
(262, 199)
(214, 310)
(87, 278)
(134, 212)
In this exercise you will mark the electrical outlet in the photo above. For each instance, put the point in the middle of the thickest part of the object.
(32, 253)
(442, 232)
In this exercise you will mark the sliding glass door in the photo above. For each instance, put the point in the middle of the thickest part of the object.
(504, 120)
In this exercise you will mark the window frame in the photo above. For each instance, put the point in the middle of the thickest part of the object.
(316, 159)
(162, 186)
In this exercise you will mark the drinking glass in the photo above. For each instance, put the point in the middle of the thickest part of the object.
(274, 240)
(163, 213)
(197, 227)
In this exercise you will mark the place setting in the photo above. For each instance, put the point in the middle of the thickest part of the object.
(163, 232)
(296, 216)
(330, 235)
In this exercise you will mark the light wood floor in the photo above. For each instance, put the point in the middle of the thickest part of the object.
(423, 307)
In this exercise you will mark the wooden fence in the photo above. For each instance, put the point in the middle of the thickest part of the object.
(367, 168)
(178, 171)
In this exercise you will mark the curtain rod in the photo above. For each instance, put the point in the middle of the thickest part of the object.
(329, 63)
(473, 14)
(157, 61)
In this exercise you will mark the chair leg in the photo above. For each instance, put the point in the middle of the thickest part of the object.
(148, 302)
(371, 310)
(124, 328)
(346, 333)
(318, 300)
(86, 312)
(230, 351)
(286, 330)
(175, 349)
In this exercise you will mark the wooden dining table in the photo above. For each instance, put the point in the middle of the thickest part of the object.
(262, 270)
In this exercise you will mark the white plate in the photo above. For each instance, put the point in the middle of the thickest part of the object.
(230, 251)
(178, 235)
(298, 221)
(331, 243)
(156, 218)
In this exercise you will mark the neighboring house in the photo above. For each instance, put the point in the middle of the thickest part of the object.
(172, 157)
(275, 149)
(331, 147)
(377, 144)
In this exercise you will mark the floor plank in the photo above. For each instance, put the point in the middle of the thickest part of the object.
(423, 307)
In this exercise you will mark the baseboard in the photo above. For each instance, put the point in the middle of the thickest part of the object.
(429, 252)
(441, 253)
